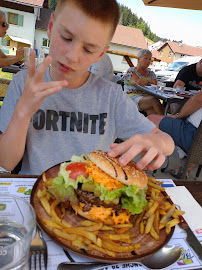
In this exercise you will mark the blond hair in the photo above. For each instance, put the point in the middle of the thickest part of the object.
(105, 11)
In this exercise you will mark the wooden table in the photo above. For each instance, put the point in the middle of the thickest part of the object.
(166, 96)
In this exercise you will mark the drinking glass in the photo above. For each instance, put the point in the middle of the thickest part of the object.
(17, 222)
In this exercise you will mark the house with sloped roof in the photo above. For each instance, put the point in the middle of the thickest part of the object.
(126, 41)
(41, 38)
(21, 16)
(170, 51)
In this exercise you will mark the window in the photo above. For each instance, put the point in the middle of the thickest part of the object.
(161, 53)
(170, 53)
(16, 19)
(46, 42)
(12, 18)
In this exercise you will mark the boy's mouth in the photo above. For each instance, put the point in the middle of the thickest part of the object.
(65, 68)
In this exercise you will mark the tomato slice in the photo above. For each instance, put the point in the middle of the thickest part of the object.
(77, 168)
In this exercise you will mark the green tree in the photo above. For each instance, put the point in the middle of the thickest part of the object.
(52, 4)
(130, 19)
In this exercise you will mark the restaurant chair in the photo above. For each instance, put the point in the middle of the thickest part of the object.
(195, 154)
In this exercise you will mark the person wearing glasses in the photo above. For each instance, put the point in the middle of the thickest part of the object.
(7, 60)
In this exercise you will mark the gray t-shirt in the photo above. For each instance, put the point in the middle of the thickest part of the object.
(74, 121)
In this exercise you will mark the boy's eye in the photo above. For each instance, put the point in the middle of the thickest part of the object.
(87, 50)
(66, 38)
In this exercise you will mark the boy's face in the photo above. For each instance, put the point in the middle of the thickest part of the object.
(77, 42)
(3, 28)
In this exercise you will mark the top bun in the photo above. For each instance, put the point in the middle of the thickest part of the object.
(128, 174)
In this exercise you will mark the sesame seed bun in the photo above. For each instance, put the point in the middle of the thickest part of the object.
(128, 174)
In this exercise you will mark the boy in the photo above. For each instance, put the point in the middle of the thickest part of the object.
(64, 109)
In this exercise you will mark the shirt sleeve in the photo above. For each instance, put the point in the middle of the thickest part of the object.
(127, 115)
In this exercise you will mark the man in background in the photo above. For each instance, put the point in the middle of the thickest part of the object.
(190, 77)
(7, 60)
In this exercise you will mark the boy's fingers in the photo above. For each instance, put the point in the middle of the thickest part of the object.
(44, 86)
(43, 67)
(31, 67)
(158, 162)
(148, 157)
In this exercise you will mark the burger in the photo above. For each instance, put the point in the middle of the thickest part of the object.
(100, 189)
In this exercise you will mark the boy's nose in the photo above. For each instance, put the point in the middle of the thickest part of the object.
(74, 53)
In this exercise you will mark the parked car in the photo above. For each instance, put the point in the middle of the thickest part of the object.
(170, 73)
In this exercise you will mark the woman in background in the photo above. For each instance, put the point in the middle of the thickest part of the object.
(142, 75)
(7, 60)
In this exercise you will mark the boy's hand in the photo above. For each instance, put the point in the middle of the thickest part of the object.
(150, 145)
(36, 90)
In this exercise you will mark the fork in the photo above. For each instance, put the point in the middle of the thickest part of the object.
(38, 247)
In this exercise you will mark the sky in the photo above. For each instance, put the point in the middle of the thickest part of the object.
(171, 23)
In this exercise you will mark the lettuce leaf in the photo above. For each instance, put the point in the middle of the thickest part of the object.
(132, 198)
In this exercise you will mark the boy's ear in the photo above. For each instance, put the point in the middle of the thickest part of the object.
(101, 55)
(50, 25)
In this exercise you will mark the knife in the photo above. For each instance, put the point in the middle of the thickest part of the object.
(191, 238)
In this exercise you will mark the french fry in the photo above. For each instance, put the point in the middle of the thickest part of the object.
(107, 228)
(87, 223)
(52, 224)
(117, 237)
(165, 219)
(48, 197)
(172, 222)
(99, 242)
(46, 205)
(168, 230)
(153, 233)
(167, 206)
(58, 212)
(65, 224)
(122, 226)
(152, 179)
(149, 224)
(177, 213)
(142, 227)
(44, 177)
(151, 210)
(122, 230)
(79, 244)
(139, 218)
(64, 235)
(100, 249)
(158, 187)
(162, 212)
(42, 193)
(91, 236)
(92, 228)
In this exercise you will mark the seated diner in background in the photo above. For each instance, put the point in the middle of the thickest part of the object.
(7, 60)
(190, 77)
(182, 127)
(142, 75)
